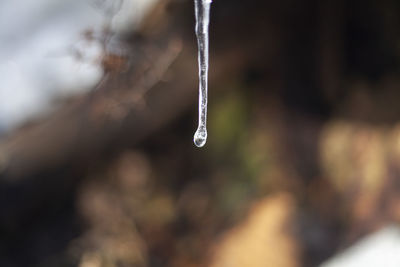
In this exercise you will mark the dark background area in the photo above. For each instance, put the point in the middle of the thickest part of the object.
(303, 147)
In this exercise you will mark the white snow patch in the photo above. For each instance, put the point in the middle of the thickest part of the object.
(36, 62)
(381, 249)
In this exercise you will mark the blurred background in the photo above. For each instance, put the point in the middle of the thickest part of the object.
(98, 107)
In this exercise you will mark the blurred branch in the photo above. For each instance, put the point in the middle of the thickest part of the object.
(89, 122)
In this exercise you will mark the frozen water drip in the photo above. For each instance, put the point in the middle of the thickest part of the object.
(202, 12)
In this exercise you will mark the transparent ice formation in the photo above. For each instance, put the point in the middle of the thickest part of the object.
(202, 11)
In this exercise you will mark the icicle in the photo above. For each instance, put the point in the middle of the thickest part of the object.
(202, 10)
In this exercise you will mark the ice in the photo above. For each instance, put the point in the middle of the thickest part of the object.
(202, 11)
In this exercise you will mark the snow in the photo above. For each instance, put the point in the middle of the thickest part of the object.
(36, 62)
(379, 249)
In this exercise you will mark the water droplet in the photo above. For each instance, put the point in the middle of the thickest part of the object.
(200, 137)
